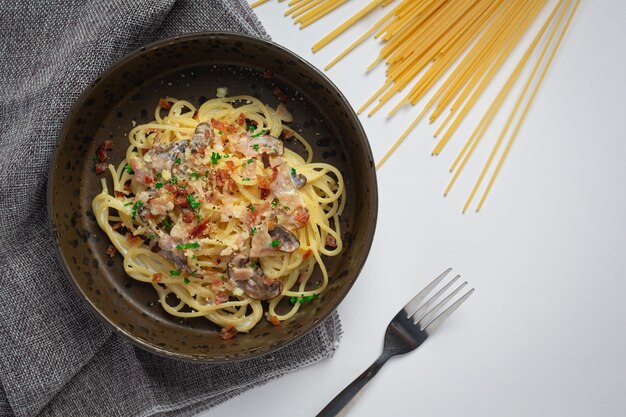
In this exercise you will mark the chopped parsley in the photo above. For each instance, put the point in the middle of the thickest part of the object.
(168, 223)
(129, 169)
(226, 155)
(174, 272)
(178, 161)
(194, 245)
(293, 171)
(219, 132)
(302, 299)
(256, 135)
(215, 157)
(256, 146)
(286, 208)
(173, 180)
(252, 127)
(186, 280)
(245, 179)
(196, 175)
(193, 256)
(275, 243)
(138, 204)
(253, 231)
(275, 202)
(193, 202)
(128, 204)
(158, 185)
(251, 207)
(151, 237)
(250, 160)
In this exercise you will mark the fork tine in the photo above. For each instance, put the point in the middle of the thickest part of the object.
(411, 307)
(421, 312)
(430, 327)
(427, 318)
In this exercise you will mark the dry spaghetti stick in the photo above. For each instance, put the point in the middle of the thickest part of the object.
(450, 56)
(300, 8)
(485, 52)
(319, 12)
(351, 21)
(258, 3)
(532, 97)
(487, 78)
(440, 40)
(495, 106)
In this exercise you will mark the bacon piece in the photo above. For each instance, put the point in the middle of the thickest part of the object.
(218, 124)
(308, 253)
(266, 160)
(228, 332)
(166, 105)
(280, 94)
(241, 119)
(157, 277)
(265, 192)
(230, 165)
(331, 242)
(101, 153)
(302, 216)
(197, 230)
(108, 145)
(181, 201)
(273, 319)
(133, 240)
(267, 74)
(111, 251)
(221, 297)
(286, 134)
(119, 194)
(100, 168)
(188, 216)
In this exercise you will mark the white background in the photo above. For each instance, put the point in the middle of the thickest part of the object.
(545, 332)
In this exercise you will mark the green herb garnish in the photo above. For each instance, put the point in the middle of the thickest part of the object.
(151, 237)
(193, 202)
(286, 208)
(195, 175)
(275, 243)
(275, 202)
(158, 185)
(256, 135)
(174, 272)
(302, 299)
(251, 207)
(293, 171)
(138, 204)
(215, 157)
(194, 245)
(168, 223)
(256, 146)
(252, 127)
(186, 280)
(178, 161)
(129, 169)
(253, 231)
(173, 180)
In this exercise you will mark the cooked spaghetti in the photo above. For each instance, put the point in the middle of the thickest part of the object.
(212, 210)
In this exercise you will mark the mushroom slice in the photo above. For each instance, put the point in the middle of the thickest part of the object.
(251, 279)
(203, 135)
(287, 241)
(266, 143)
(298, 180)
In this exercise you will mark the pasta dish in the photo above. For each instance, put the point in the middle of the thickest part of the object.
(213, 210)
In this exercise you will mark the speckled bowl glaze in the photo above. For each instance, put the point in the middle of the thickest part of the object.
(191, 67)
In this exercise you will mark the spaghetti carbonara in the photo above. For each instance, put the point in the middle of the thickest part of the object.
(212, 210)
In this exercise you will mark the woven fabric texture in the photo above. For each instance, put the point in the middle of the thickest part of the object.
(56, 357)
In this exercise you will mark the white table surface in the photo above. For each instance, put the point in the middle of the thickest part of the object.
(545, 332)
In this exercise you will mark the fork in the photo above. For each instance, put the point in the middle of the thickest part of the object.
(413, 324)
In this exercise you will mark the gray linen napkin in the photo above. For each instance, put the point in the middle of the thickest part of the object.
(56, 357)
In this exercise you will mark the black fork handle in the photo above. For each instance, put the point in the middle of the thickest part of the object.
(340, 405)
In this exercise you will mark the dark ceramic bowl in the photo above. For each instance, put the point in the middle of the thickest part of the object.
(191, 67)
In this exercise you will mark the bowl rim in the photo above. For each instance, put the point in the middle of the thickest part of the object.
(63, 134)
